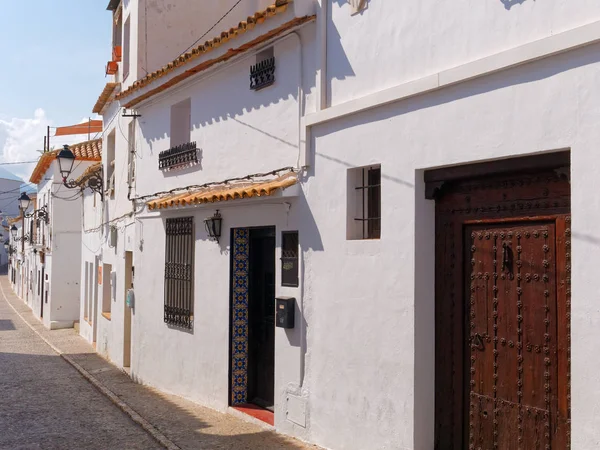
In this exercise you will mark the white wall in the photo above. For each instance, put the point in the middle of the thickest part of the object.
(393, 42)
(238, 131)
(63, 260)
(176, 25)
(9, 193)
(91, 246)
(201, 357)
(361, 370)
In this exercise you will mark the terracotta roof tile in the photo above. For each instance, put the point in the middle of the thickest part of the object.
(104, 97)
(223, 192)
(84, 151)
(93, 169)
(258, 18)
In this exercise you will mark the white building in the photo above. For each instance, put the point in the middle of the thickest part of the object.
(54, 238)
(10, 186)
(378, 151)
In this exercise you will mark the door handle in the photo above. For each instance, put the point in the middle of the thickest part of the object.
(477, 342)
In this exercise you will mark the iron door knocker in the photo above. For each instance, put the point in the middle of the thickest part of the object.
(477, 342)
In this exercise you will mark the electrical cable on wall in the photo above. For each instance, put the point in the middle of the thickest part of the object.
(213, 27)
(216, 183)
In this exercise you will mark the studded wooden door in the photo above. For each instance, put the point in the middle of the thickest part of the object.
(502, 312)
(513, 352)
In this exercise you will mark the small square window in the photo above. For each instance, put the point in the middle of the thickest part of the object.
(364, 203)
(262, 74)
(289, 259)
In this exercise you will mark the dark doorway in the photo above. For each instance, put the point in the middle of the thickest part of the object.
(42, 297)
(261, 317)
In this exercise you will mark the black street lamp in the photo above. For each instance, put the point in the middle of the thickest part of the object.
(24, 201)
(93, 180)
(66, 158)
(213, 226)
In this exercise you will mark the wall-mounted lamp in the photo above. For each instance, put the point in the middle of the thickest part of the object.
(9, 248)
(24, 201)
(93, 180)
(41, 213)
(213, 226)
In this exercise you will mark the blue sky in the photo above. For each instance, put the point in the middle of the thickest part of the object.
(51, 72)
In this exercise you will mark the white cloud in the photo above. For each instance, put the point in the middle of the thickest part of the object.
(22, 139)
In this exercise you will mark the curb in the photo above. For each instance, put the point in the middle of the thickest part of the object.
(133, 415)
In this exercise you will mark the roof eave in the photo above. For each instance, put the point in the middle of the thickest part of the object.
(113, 5)
(221, 55)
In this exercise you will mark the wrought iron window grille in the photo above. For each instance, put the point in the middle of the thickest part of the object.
(179, 272)
(289, 259)
(371, 203)
(262, 74)
(179, 155)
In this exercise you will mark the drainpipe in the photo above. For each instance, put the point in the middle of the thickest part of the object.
(321, 81)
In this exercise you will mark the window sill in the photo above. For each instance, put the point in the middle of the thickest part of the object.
(106, 315)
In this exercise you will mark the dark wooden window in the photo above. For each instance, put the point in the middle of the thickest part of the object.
(179, 272)
(289, 258)
(370, 191)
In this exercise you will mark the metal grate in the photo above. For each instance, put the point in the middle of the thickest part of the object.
(371, 203)
(262, 74)
(289, 258)
(176, 156)
(179, 272)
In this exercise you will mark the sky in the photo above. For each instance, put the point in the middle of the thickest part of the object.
(53, 55)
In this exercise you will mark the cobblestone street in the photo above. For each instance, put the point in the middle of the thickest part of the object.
(47, 404)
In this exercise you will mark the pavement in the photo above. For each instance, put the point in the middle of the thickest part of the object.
(57, 393)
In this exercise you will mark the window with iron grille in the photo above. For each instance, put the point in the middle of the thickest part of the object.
(364, 203)
(179, 272)
(289, 258)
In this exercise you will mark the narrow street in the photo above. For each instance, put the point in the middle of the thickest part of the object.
(47, 404)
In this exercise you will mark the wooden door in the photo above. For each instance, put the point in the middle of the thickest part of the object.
(503, 311)
(512, 335)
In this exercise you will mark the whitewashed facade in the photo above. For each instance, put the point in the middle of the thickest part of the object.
(383, 86)
(48, 252)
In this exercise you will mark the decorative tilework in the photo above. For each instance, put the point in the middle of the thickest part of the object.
(239, 332)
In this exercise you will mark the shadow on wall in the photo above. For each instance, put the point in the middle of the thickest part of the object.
(510, 3)
(233, 101)
(539, 70)
(424, 364)
(338, 65)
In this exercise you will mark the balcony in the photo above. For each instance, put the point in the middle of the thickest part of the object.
(181, 155)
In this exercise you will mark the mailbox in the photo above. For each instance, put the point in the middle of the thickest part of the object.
(284, 314)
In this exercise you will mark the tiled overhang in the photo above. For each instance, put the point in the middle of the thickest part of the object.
(222, 193)
(94, 169)
(104, 97)
(165, 77)
(84, 151)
